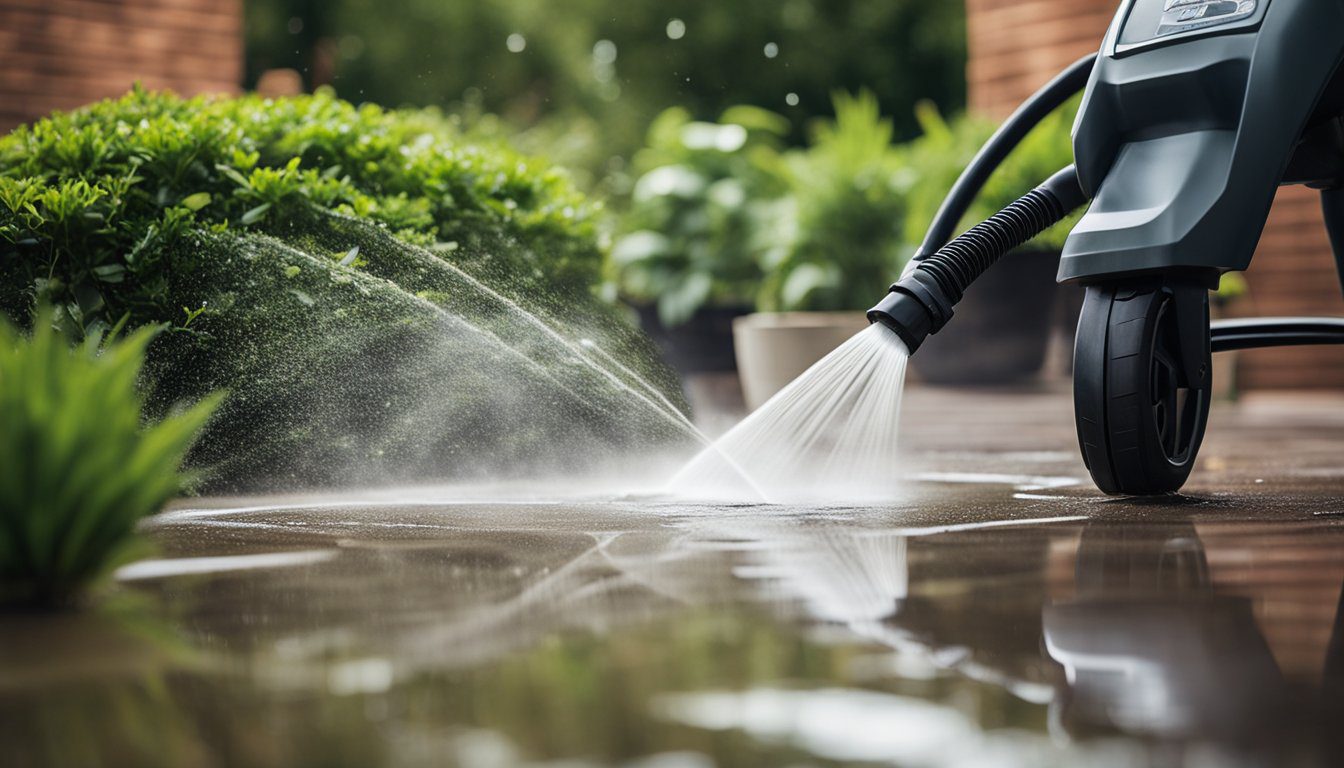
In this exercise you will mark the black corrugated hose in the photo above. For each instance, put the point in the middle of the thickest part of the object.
(921, 302)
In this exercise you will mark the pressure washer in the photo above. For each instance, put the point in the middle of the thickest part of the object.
(1193, 113)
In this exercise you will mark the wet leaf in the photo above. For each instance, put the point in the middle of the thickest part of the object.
(253, 215)
(197, 201)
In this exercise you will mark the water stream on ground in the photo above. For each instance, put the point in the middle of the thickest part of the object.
(829, 436)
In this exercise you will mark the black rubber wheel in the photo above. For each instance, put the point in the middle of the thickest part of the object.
(1139, 407)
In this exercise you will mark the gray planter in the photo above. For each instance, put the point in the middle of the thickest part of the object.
(1001, 328)
(703, 344)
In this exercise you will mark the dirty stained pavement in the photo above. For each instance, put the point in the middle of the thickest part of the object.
(1002, 612)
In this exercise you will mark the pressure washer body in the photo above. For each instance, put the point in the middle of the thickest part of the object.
(1194, 113)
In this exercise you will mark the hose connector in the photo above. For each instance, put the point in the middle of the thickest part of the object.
(921, 302)
(914, 307)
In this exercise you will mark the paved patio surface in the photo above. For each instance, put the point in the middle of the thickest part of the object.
(1002, 613)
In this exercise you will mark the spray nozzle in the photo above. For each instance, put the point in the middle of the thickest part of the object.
(914, 307)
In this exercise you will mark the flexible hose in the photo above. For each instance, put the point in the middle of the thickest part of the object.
(956, 265)
(1049, 98)
(921, 302)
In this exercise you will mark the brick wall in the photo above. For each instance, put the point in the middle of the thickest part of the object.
(59, 54)
(1017, 45)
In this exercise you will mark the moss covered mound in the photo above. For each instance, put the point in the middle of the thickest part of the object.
(381, 298)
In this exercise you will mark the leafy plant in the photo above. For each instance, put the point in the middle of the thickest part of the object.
(840, 234)
(693, 235)
(354, 277)
(79, 467)
(94, 202)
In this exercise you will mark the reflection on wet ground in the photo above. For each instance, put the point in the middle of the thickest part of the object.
(1001, 614)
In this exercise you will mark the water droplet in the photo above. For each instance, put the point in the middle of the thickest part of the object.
(604, 52)
(295, 25)
(676, 29)
(791, 99)
(771, 50)
(516, 43)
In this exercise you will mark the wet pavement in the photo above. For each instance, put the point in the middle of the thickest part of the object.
(1001, 613)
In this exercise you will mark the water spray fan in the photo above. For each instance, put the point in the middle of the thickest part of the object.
(1194, 113)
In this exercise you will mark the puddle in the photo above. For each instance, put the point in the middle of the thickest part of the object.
(964, 625)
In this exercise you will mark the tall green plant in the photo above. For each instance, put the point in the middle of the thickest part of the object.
(841, 235)
(78, 469)
(693, 234)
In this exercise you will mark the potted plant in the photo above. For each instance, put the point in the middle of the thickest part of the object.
(1003, 324)
(832, 243)
(686, 256)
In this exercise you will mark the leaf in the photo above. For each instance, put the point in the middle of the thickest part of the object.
(677, 305)
(255, 214)
(110, 273)
(638, 246)
(350, 257)
(669, 181)
(806, 278)
(197, 201)
(234, 176)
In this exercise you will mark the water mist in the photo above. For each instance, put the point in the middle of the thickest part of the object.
(829, 436)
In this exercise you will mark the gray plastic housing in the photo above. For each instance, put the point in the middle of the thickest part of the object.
(1182, 140)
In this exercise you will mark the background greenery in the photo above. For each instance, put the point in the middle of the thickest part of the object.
(723, 216)
(608, 67)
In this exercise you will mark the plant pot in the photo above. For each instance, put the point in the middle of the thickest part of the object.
(773, 348)
(703, 344)
(1001, 329)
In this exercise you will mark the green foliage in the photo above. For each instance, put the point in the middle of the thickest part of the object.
(93, 202)
(1231, 286)
(694, 233)
(726, 218)
(811, 228)
(847, 194)
(613, 62)
(352, 276)
(938, 157)
(79, 467)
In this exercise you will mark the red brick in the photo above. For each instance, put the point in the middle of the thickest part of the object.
(60, 54)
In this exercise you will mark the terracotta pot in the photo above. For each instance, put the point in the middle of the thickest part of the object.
(773, 348)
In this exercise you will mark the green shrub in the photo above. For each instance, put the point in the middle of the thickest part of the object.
(840, 237)
(352, 276)
(92, 202)
(78, 469)
(693, 235)
(720, 222)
